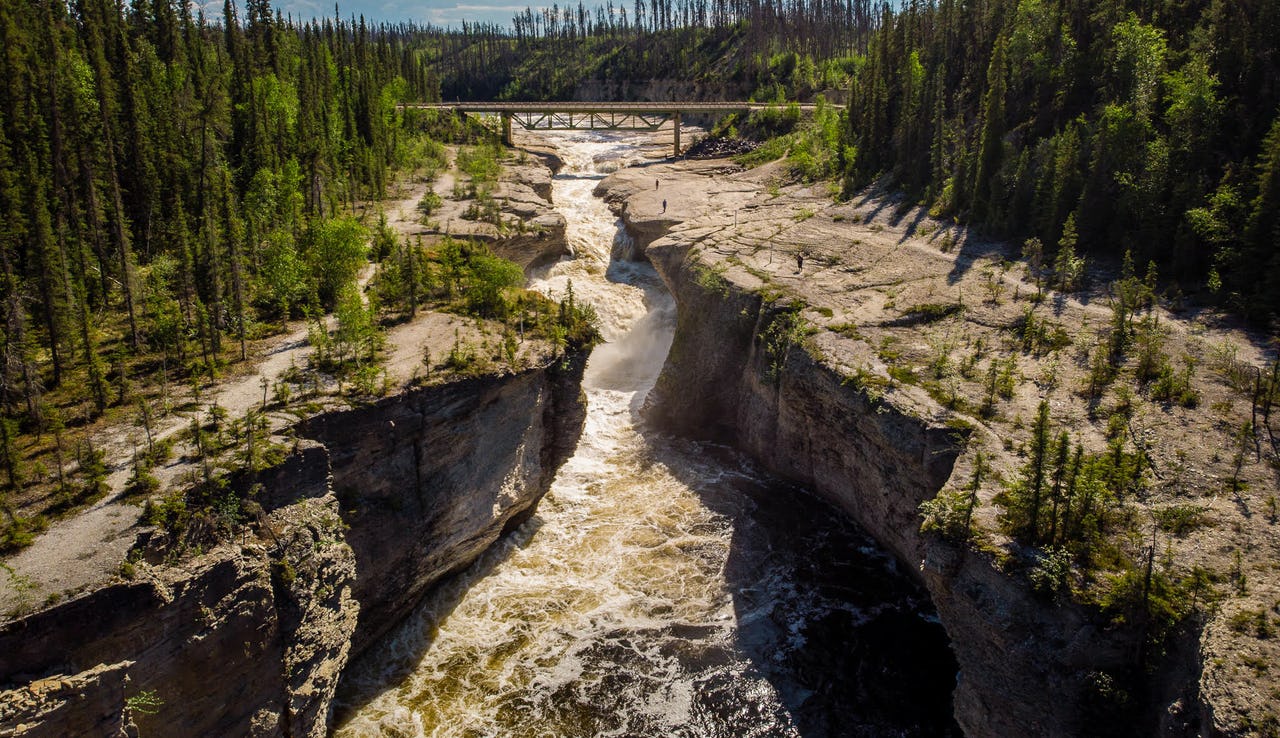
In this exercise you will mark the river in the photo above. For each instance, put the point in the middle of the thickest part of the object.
(664, 587)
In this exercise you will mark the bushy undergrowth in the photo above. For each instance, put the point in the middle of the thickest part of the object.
(810, 143)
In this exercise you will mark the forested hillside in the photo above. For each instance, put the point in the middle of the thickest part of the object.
(763, 48)
(172, 187)
(1151, 125)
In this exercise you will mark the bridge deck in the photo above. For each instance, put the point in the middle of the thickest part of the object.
(599, 115)
(577, 106)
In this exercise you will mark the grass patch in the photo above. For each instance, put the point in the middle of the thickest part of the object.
(1180, 520)
(1256, 623)
(929, 312)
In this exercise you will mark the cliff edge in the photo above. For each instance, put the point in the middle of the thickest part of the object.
(851, 346)
(373, 501)
(356, 525)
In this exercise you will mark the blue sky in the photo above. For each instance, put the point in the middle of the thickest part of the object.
(437, 12)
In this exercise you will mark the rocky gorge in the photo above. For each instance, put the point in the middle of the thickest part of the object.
(372, 506)
(791, 313)
(787, 346)
(251, 638)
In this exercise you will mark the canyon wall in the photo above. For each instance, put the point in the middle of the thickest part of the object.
(427, 481)
(248, 638)
(735, 375)
(251, 637)
(525, 194)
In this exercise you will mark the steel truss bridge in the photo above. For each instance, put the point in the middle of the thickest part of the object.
(595, 116)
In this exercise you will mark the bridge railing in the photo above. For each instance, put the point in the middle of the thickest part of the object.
(545, 115)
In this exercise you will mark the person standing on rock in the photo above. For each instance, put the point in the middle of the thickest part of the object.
(664, 206)
(655, 184)
(799, 262)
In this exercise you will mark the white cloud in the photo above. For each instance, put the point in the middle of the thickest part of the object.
(496, 8)
(437, 12)
(454, 15)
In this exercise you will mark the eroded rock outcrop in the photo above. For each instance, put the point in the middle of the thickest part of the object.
(524, 225)
(428, 480)
(525, 195)
(247, 639)
(251, 637)
(742, 372)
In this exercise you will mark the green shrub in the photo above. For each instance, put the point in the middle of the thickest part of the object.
(931, 312)
(785, 329)
(429, 203)
(949, 515)
(20, 532)
(143, 703)
(480, 163)
(462, 357)
(355, 342)
(1040, 335)
(159, 451)
(1256, 623)
(1174, 386)
(1179, 520)
(283, 573)
(1158, 602)
(336, 250)
(141, 482)
(487, 282)
(1051, 573)
(1063, 496)
(169, 513)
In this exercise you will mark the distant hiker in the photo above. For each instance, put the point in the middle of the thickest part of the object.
(664, 206)
(799, 263)
(655, 184)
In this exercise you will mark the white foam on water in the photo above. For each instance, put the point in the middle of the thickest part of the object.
(578, 625)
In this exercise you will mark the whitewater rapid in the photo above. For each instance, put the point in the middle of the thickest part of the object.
(664, 588)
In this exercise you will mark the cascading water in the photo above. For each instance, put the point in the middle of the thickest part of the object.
(664, 588)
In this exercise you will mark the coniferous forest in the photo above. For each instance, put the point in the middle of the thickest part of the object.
(180, 188)
(165, 180)
(1152, 126)
(174, 185)
(1149, 127)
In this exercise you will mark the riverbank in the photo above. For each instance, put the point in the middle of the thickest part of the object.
(850, 345)
(372, 502)
(664, 587)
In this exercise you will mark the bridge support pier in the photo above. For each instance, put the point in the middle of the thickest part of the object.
(506, 128)
(675, 126)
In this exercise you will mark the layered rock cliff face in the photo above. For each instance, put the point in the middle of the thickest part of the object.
(427, 481)
(525, 195)
(737, 374)
(247, 639)
(251, 638)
